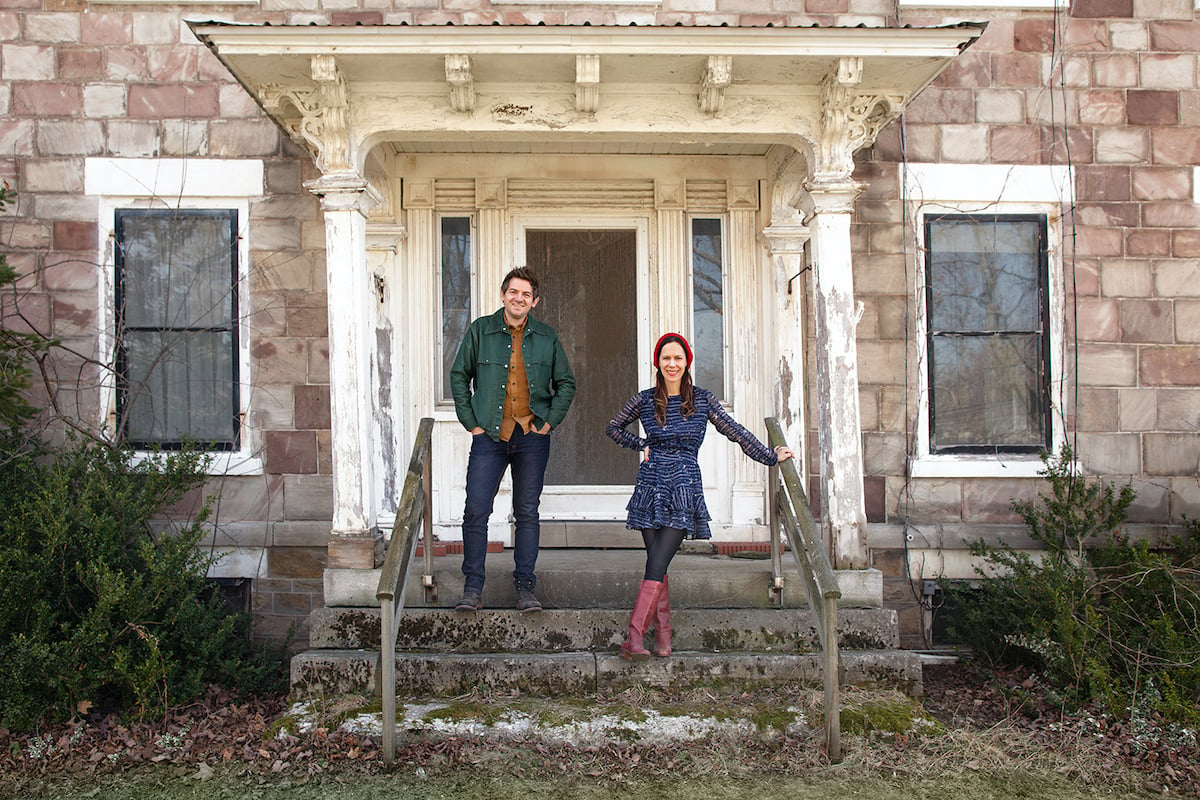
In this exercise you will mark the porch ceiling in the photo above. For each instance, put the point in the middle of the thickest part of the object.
(571, 89)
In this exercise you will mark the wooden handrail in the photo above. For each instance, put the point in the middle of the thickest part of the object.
(792, 516)
(415, 512)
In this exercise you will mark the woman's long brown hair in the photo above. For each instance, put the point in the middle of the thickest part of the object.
(687, 398)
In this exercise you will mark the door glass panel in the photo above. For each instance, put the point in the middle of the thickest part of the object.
(589, 295)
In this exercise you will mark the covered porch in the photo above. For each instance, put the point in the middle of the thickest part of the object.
(596, 150)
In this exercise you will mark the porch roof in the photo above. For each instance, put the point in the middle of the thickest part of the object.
(575, 88)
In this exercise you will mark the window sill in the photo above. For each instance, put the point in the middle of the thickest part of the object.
(975, 467)
(228, 464)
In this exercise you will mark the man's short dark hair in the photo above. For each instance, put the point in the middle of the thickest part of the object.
(525, 274)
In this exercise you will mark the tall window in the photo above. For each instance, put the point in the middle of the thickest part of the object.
(988, 340)
(176, 327)
(456, 291)
(708, 305)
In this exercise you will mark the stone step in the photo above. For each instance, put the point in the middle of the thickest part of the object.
(336, 672)
(598, 630)
(576, 578)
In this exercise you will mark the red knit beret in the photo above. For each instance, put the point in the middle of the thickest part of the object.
(658, 346)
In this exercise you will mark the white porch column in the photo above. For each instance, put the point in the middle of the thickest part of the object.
(835, 320)
(345, 200)
(785, 244)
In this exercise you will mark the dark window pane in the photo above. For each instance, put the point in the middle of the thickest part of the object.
(986, 276)
(177, 327)
(988, 391)
(456, 291)
(988, 347)
(176, 271)
(708, 306)
(179, 386)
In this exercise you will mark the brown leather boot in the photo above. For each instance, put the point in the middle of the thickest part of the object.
(662, 622)
(639, 620)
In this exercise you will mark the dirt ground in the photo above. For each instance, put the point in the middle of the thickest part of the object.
(975, 734)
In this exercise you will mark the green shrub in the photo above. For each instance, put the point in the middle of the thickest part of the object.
(96, 611)
(1100, 617)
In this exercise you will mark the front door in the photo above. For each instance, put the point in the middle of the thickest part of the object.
(590, 289)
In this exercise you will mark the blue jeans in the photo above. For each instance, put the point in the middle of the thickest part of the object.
(527, 454)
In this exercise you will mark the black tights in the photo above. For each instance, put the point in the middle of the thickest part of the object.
(661, 546)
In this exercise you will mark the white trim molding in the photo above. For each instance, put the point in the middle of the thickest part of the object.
(989, 189)
(180, 183)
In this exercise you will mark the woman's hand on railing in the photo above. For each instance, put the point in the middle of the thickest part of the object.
(784, 453)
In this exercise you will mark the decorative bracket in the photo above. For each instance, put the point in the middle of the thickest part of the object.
(850, 119)
(461, 82)
(718, 74)
(321, 118)
(587, 83)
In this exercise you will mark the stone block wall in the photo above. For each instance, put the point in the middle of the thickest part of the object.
(1111, 90)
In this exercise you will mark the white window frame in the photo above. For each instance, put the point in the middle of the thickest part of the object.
(123, 183)
(933, 189)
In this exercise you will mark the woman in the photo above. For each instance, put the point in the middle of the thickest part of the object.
(668, 501)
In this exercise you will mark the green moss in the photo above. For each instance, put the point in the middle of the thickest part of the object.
(883, 716)
(483, 713)
(771, 718)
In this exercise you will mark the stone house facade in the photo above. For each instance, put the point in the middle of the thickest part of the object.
(934, 238)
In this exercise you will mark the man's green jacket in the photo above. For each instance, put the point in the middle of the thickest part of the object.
(480, 373)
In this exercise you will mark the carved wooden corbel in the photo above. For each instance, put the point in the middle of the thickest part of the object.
(850, 119)
(718, 73)
(461, 82)
(587, 83)
(320, 118)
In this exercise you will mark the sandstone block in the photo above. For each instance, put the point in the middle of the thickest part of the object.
(1176, 146)
(1102, 8)
(1110, 453)
(1147, 321)
(1172, 454)
(1134, 35)
(1097, 410)
(1105, 365)
(107, 28)
(103, 100)
(1097, 320)
(1151, 107)
(308, 497)
(1148, 243)
(1117, 70)
(1102, 107)
(156, 102)
(22, 62)
(1177, 278)
(1178, 410)
(1170, 366)
(1122, 145)
(1100, 182)
(1162, 71)
(1187, 320)
(70, 138)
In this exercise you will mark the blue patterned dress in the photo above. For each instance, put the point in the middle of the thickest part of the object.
(670, 491)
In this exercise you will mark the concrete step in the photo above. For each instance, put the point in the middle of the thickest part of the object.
(336, 672)
(576, 578)
(598, 630)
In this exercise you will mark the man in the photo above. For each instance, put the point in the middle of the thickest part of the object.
(512, 385)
